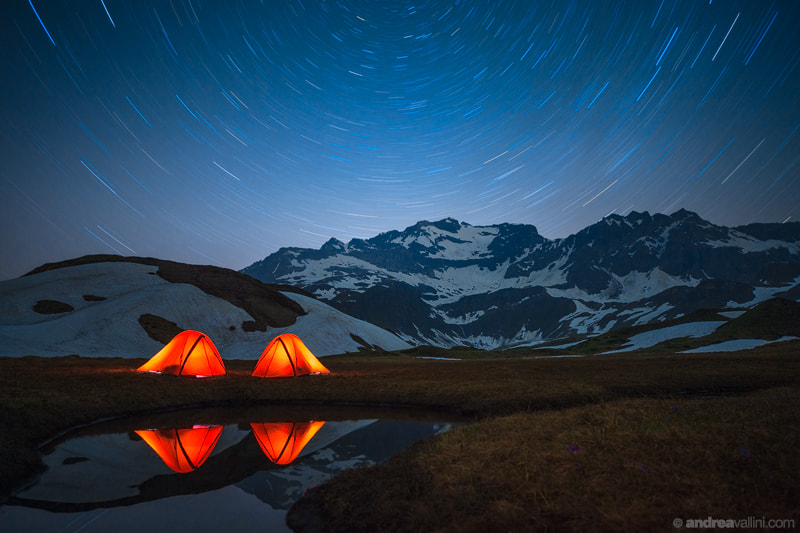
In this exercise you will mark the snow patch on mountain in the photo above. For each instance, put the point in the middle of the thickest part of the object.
(339, 273)
(336, 268)
(749, 244)
(553, 274)
(453, 283)
(585, 321)
(762, 294)
(656, 336)
(732, 314)
(737, 345)
(467, 318)
(468, 243)
(650, 315)
(636, 285)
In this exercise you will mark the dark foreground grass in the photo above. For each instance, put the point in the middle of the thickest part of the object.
(610, 443)
(623, 465)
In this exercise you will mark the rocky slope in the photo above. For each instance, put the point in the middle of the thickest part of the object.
(449, 283)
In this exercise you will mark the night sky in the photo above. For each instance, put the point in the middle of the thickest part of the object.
(215, 132)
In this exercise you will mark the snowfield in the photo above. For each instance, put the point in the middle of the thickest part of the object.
(736, 345)
(110, 327)
(749, 244)
(651, 338)
(469, 242)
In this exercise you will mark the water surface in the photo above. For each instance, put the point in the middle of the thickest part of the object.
(204, 470)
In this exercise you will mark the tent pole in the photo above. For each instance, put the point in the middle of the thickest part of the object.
(288, 355)
(185, 359)
(183, 450)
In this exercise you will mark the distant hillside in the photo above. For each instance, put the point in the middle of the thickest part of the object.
(776, 319)
(262, 301)
(448, 283)
(129, 307)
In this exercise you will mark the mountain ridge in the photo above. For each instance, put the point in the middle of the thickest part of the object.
(449, 283)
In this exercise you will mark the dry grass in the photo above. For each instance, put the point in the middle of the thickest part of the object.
(624, 465)
(636, 460)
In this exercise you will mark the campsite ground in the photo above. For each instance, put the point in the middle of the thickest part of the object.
(624, 442)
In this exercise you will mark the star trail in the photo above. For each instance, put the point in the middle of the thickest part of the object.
(216, 132)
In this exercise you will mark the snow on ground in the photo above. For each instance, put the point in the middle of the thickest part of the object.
(736, 345)
(559, 346)
(731, 314)
(637, 285)
(452, 284)
(325, 268)
(469, 242)
(652, 315)
(329, 267)
(632, 287)
(584, 320)
(761, 294)
(651, 338)
(69, 285)
(110, 327)
(749, 243)
(324, 330)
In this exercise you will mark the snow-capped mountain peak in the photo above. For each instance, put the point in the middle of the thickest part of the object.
(448, 282)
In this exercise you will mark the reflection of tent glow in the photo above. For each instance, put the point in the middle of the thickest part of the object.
(183, 450)
(282, 442)
(189, 353)
(287, 356)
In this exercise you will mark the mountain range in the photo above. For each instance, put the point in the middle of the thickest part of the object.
(449, 283)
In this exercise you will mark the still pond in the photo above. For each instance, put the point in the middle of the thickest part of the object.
(204, 470)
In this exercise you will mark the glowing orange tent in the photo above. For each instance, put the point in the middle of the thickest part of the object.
(189, 353)
(286, 355)
(183, 450)
(282, 442)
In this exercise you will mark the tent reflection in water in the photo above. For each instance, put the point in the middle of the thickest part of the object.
(189, 353)
(282, 442)
(183, 450)
(287, 356)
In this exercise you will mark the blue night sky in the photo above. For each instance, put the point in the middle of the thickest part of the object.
(216, 132)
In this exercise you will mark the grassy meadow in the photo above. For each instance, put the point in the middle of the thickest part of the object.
(613, 442)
